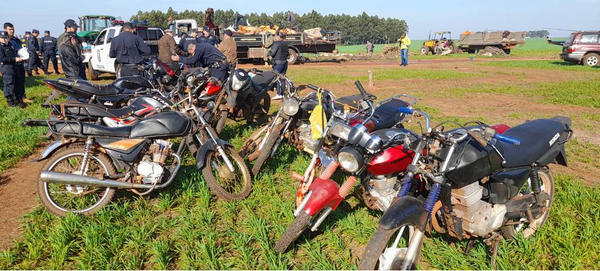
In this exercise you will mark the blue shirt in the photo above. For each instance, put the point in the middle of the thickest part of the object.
(212, 40)
(204, 55)
(128, 48)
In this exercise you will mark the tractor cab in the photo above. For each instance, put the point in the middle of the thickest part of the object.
(440, 43)
(91, 25)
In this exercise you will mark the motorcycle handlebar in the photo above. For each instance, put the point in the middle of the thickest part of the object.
(313, 87)
(507, 139)
(361, 89)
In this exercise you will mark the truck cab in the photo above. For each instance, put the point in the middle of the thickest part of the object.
(99, 60)
(182, 26)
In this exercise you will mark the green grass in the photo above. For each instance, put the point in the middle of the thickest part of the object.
(540, 64)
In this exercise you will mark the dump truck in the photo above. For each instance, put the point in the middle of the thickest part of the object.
(505, 40)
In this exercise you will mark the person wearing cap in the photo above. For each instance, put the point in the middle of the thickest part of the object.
(229, 48)
(71, 58)
(34, 50)
(8, 67)
(48, 48)
(167, 48)
(19, 81)
(279, 54)
(70, 27)
(128, 49)
(207, 37)
(189, 39)
(206, 56)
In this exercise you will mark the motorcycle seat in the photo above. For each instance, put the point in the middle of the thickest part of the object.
(262, 80)
(537, 138)
(124, 85)
(88, 129)
(92, 110)
(387, 114)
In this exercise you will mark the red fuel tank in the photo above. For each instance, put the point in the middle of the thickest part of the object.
(392, 160)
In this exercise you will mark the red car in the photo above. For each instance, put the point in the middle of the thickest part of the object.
(581, 48)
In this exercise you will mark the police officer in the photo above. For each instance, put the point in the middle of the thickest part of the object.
(206, 56)
(16, 44)
(48, 48)
(70, 27)
(207, 37)
(128, 49)
(188, 39)
(8, 66)
(33, 48)
(279, 54)
(71, 58)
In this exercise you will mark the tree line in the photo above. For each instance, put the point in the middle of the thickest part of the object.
(538, 34)
(355, 29)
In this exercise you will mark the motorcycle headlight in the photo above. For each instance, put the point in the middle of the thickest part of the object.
(190, 80)
(340, 130)
(290, 107)
(239, 79)
(350, 159)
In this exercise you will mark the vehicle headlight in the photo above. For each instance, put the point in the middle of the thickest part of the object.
(190, 80)
(340, 130)
(290, 107)
(350, 159)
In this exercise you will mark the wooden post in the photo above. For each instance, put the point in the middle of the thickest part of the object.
(370, 78)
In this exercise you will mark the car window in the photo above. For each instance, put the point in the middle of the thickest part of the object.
(570, 39)
(143, 33)
(152, 35)
(589, 38)
(110, 36)
(101, 38)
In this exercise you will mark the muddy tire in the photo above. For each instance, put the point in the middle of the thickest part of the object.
(221, 121)
(376, 246)
(100, 165)
(267, 149)
(293, 232)
(528, 229)
(221, 180)
(250, 148)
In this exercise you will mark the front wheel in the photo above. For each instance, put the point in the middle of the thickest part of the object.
(391, 250)
(292, 233)
(221, 121)
(61, 199)
(267, 149)
(222, 181)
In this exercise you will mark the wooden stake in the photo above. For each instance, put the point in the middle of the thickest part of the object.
(370, 78)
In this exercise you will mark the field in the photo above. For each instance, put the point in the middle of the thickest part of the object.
(186, 227)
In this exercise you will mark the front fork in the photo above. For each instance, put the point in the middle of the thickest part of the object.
(213, 138)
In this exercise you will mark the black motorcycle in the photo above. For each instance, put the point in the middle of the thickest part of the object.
(470, 183)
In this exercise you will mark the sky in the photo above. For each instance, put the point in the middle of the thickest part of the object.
(422, 16)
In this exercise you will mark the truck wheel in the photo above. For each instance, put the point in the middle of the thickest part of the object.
(591, 60)
(118, 71)
(506, 51)
(471, 51)
(292, 57)
(93, 74)
(424, 50)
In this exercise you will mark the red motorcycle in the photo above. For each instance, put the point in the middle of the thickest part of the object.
(379, 158)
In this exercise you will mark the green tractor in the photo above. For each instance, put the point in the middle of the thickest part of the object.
(91, 25)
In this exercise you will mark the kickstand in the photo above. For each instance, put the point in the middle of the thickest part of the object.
(493, 243)
(470, 246)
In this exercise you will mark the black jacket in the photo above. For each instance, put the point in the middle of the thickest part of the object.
(279, 52)
(7, 59)
(204, 56)
(128, 48)
(72, 61)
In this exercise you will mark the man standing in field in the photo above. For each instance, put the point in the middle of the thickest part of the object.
(404, 42)
(369, 48)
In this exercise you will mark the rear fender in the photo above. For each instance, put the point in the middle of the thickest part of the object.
(209, 146)
(52, 148)
(324, 193)
(405, 210)
(561, 158)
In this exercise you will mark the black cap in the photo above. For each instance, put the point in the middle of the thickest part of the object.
(27, 32)
(46, 31)
(71, 23)
(35, 31)
(206, 28)
(128, 25)
(3, 34)
(228, 32)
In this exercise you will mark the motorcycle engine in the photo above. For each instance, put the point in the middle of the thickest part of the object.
(479, 218)
(305, 135)
(150, 169)
(382, 191)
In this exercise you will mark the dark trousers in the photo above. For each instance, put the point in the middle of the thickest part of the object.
(34, 62)
(9, 77)
(130, 70)
(50, 55)
(280, 68)
(20, 82)
(221, 72)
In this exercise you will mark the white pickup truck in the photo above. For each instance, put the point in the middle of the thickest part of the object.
(98, 60)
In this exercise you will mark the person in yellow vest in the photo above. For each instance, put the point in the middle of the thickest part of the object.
(404, 42)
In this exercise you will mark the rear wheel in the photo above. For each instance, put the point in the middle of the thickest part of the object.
(267, 149)
(294, 231)
(388, 249)
(424, 50)
(222, 181)
(259, 111)
(292, 56)
(528, 228)
(61, 199)
(591, 60)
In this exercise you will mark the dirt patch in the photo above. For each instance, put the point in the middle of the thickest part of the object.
(18, 195)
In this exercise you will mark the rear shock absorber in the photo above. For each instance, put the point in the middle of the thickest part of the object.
(535, 181)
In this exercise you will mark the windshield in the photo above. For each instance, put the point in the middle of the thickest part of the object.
(570, 40)
(95, 24)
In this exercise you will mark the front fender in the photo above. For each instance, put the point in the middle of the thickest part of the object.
(324, 193)
(50, 150)
(405, 210)
(209, 146)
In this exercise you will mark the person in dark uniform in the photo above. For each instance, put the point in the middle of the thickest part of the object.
(206, 56)
(16, 44)
(207, 37)
(34, 50)
(279, 54)
(71, 58)
(70, 27)
(48, 48)
(8, 67)
(128, 49)
(189, 39)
